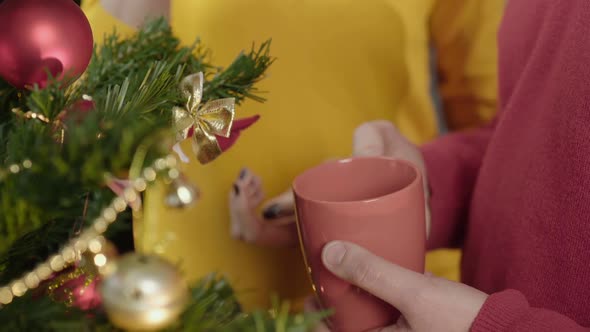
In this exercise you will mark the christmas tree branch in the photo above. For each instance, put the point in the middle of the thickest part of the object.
(70, 151)
(133, 83)
(213, 307)
(238, 79)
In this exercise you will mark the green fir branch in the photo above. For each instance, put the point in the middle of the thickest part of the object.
(213, 307)
(134, 85)
(238, 79)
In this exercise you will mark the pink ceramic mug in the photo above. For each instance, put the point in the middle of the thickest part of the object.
(375, 202)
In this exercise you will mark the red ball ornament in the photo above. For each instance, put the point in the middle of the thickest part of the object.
(37, 36)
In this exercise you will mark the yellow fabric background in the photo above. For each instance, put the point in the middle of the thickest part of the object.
(340, 63)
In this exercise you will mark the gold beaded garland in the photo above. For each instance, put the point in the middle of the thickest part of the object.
(5, 295)
(140, 184)
(15, 168)
(31, 280)
(160, 164)
(109, 214)
(173, 174)
(56, 263)
(90, 239)
(68, 254)
(43, 271)
(100, 226)
(18, 288)
(149, 174)
(119, 204)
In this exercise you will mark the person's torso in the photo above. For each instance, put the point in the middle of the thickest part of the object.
(339, 64)
(530, 216)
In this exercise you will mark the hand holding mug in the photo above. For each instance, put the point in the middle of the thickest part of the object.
(375, 202)
(426, 303)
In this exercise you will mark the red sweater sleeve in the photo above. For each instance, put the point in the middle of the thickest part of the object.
(452, 166)
(510, 311)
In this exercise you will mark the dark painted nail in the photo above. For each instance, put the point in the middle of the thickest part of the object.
(236, 189)
(243, 173)
(272, 212)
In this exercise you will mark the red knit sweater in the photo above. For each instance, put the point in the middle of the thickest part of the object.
(516, 195)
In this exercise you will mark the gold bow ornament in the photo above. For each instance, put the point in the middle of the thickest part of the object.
(202, 122)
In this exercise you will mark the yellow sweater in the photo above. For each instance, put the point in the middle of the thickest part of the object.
(340, 63)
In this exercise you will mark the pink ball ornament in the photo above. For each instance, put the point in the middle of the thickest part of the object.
(38, 36)
(78, 290)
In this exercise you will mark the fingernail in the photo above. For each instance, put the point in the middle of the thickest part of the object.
(236, 189)
(243, 173)
(333, 254)
(272, 212)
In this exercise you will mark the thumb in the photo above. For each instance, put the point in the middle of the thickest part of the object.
(384, 139)
(368, 141)
(390, 282)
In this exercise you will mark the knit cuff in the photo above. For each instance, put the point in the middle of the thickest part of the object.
(500, 312)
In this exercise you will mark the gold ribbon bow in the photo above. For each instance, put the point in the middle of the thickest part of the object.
(207, 121)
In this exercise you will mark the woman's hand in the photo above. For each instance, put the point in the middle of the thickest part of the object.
(426, 303)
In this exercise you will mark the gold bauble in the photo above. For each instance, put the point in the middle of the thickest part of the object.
(181, 194)
(143, 293)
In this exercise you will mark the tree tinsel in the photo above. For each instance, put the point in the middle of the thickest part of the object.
(133, 83)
